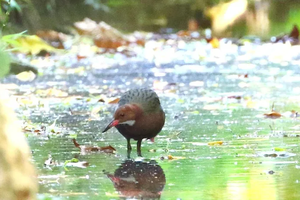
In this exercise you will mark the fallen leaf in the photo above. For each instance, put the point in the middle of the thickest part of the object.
(106, 149)
(170, 157)
(272, 115)
(114, 101)
(52, 92)
(26, 76)
(279, 149)
(214, 43)
(32, 44)
(105, 36)
(108, 43)
(56, 39)
(105, 99)
(215, 143)
(235, 97)
(183, 33)
(79, 57)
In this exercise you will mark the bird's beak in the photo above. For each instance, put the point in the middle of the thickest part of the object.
(111, 124)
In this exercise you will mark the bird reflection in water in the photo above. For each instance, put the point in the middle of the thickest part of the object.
(138, 179)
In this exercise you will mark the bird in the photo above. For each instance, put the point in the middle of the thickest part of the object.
(139, 115)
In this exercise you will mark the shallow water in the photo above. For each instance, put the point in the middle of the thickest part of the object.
(205, 101)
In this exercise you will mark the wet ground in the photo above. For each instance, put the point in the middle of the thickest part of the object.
(216, 144)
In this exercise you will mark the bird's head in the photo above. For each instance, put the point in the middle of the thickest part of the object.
(126, 114)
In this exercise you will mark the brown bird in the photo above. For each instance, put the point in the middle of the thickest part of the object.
(139, 115)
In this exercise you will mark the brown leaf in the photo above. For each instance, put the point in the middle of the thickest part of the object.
(235, 97)
(109, 43)
(79, 57)
(272, 115)
(37, 131)
(114, 101)
(106, 149)
(184, 33)
(53, 38)
(104, 35)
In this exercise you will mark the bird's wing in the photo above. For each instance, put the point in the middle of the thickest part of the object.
(147, 98)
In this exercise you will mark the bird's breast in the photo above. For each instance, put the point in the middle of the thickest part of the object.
(146, 126)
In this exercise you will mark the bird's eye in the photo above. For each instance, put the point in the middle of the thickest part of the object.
(122, 114)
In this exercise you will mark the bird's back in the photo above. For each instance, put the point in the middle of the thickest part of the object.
(146, 98)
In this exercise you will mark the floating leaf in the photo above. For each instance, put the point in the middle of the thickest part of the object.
(279, 149)
(80, 57)
(114, 101)
(272, 115)
(170, 157)
(106, 149)
(26, 76)
(215, 143)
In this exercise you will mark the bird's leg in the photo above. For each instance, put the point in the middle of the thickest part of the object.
(128, 147)
(139, 143)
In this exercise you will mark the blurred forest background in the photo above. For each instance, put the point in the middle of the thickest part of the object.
(233, 18)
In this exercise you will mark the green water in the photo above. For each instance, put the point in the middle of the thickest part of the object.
(234, 170)
(237, 169)
(258, 158)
